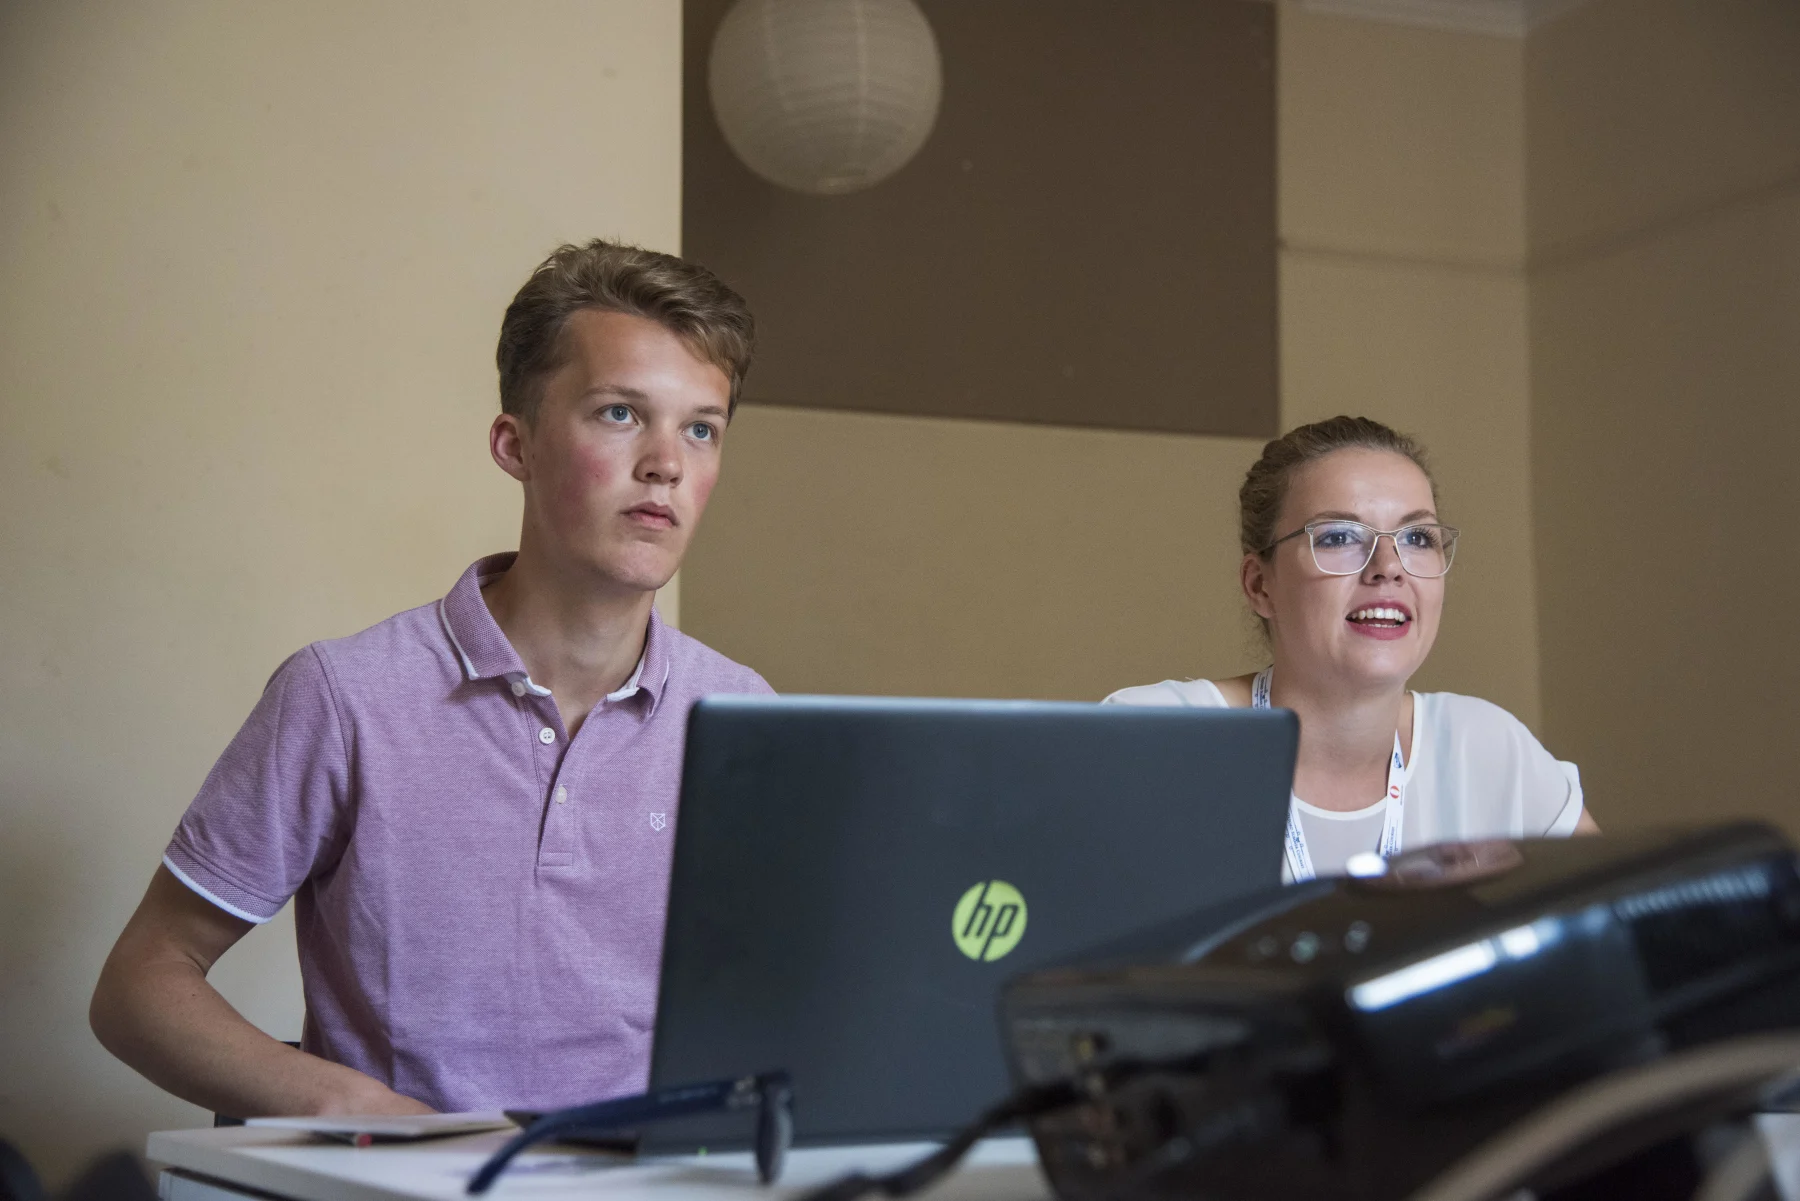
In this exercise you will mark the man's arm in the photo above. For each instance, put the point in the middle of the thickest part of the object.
(154, 1009)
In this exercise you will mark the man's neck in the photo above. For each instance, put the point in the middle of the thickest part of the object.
(1346, 736)
(579, 639)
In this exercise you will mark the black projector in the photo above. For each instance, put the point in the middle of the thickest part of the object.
(1355, 1038)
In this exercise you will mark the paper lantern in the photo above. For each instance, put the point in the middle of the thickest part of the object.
(825, 96)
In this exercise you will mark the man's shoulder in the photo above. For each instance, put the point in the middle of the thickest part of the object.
(391, 651)
(701, 669)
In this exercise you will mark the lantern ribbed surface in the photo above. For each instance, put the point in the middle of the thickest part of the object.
(825, 96)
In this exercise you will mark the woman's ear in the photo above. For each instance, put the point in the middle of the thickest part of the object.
(1254, 576)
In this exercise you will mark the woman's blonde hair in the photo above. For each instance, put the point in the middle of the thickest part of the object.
(1266, 484)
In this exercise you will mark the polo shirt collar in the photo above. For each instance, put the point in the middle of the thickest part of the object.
(484, 653)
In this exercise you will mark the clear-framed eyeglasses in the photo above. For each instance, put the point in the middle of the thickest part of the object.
(1346, 547)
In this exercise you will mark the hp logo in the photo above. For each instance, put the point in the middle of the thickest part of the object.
(989, 920)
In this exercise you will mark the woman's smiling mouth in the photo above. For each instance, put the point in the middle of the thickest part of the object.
(1380, 621)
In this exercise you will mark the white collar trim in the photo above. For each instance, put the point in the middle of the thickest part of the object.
(632, 685)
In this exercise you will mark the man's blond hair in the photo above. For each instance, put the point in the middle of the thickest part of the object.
(685, 298)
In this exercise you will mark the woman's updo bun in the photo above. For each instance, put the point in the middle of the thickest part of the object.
(1266, 484)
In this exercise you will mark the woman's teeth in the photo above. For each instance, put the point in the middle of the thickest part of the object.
(1380, 614)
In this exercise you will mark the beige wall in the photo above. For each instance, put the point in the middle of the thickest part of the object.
(1664, 170)
(253, 261)
(860, 553)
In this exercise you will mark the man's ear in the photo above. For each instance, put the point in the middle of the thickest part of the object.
(1253, 574)
(507, 438)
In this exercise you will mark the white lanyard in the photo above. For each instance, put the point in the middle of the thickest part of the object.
(1299, 860)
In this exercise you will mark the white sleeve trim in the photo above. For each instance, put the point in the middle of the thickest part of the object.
(233, 910)
(1570, 817)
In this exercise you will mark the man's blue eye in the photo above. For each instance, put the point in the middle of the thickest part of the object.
(702, 431)
(618, 412)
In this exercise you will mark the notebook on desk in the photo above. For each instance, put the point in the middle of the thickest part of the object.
(363, 1130)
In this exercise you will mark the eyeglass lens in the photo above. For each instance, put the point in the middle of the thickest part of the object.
(1345, 547)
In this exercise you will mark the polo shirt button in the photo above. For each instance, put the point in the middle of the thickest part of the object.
(546, 736)
(518, 687)
(562, 795)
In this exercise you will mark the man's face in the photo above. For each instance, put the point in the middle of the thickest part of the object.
(623, 453)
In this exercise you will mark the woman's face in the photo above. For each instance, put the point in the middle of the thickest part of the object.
(1371, 629)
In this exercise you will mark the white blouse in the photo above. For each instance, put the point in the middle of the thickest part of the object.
(1475, 771)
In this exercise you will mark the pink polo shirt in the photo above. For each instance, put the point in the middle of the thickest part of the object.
(479, 898)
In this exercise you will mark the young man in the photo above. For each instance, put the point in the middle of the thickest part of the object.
(472, 804)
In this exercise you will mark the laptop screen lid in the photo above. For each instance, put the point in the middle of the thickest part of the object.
(854, 878)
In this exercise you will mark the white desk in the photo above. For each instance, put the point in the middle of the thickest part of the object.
(250, 1162)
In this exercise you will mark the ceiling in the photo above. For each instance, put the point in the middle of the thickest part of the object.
(1497, 18)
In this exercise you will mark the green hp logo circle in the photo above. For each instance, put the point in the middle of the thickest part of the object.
(989, 920)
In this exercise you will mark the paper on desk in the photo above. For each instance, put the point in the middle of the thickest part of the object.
(391, 1128)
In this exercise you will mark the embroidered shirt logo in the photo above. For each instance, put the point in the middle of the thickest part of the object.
(659, 821)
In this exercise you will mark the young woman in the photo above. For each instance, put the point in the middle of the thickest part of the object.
(1344, 563)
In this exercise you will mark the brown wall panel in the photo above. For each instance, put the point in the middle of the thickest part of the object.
(1088, 237)
(874, 553)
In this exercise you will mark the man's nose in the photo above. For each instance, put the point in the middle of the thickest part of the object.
(660, 462)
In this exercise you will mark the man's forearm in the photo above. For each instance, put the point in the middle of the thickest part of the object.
(154, 1009)
(170, 1024)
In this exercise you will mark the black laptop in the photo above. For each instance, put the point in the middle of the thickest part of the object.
(854, 878)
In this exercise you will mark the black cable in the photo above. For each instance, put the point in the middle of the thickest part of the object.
(1029, 1102)
(18, 1182)
(1221, 1128)
(1172, 1154)
(1026, 1103)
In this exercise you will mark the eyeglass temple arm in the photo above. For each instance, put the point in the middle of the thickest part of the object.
(655, 1106)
